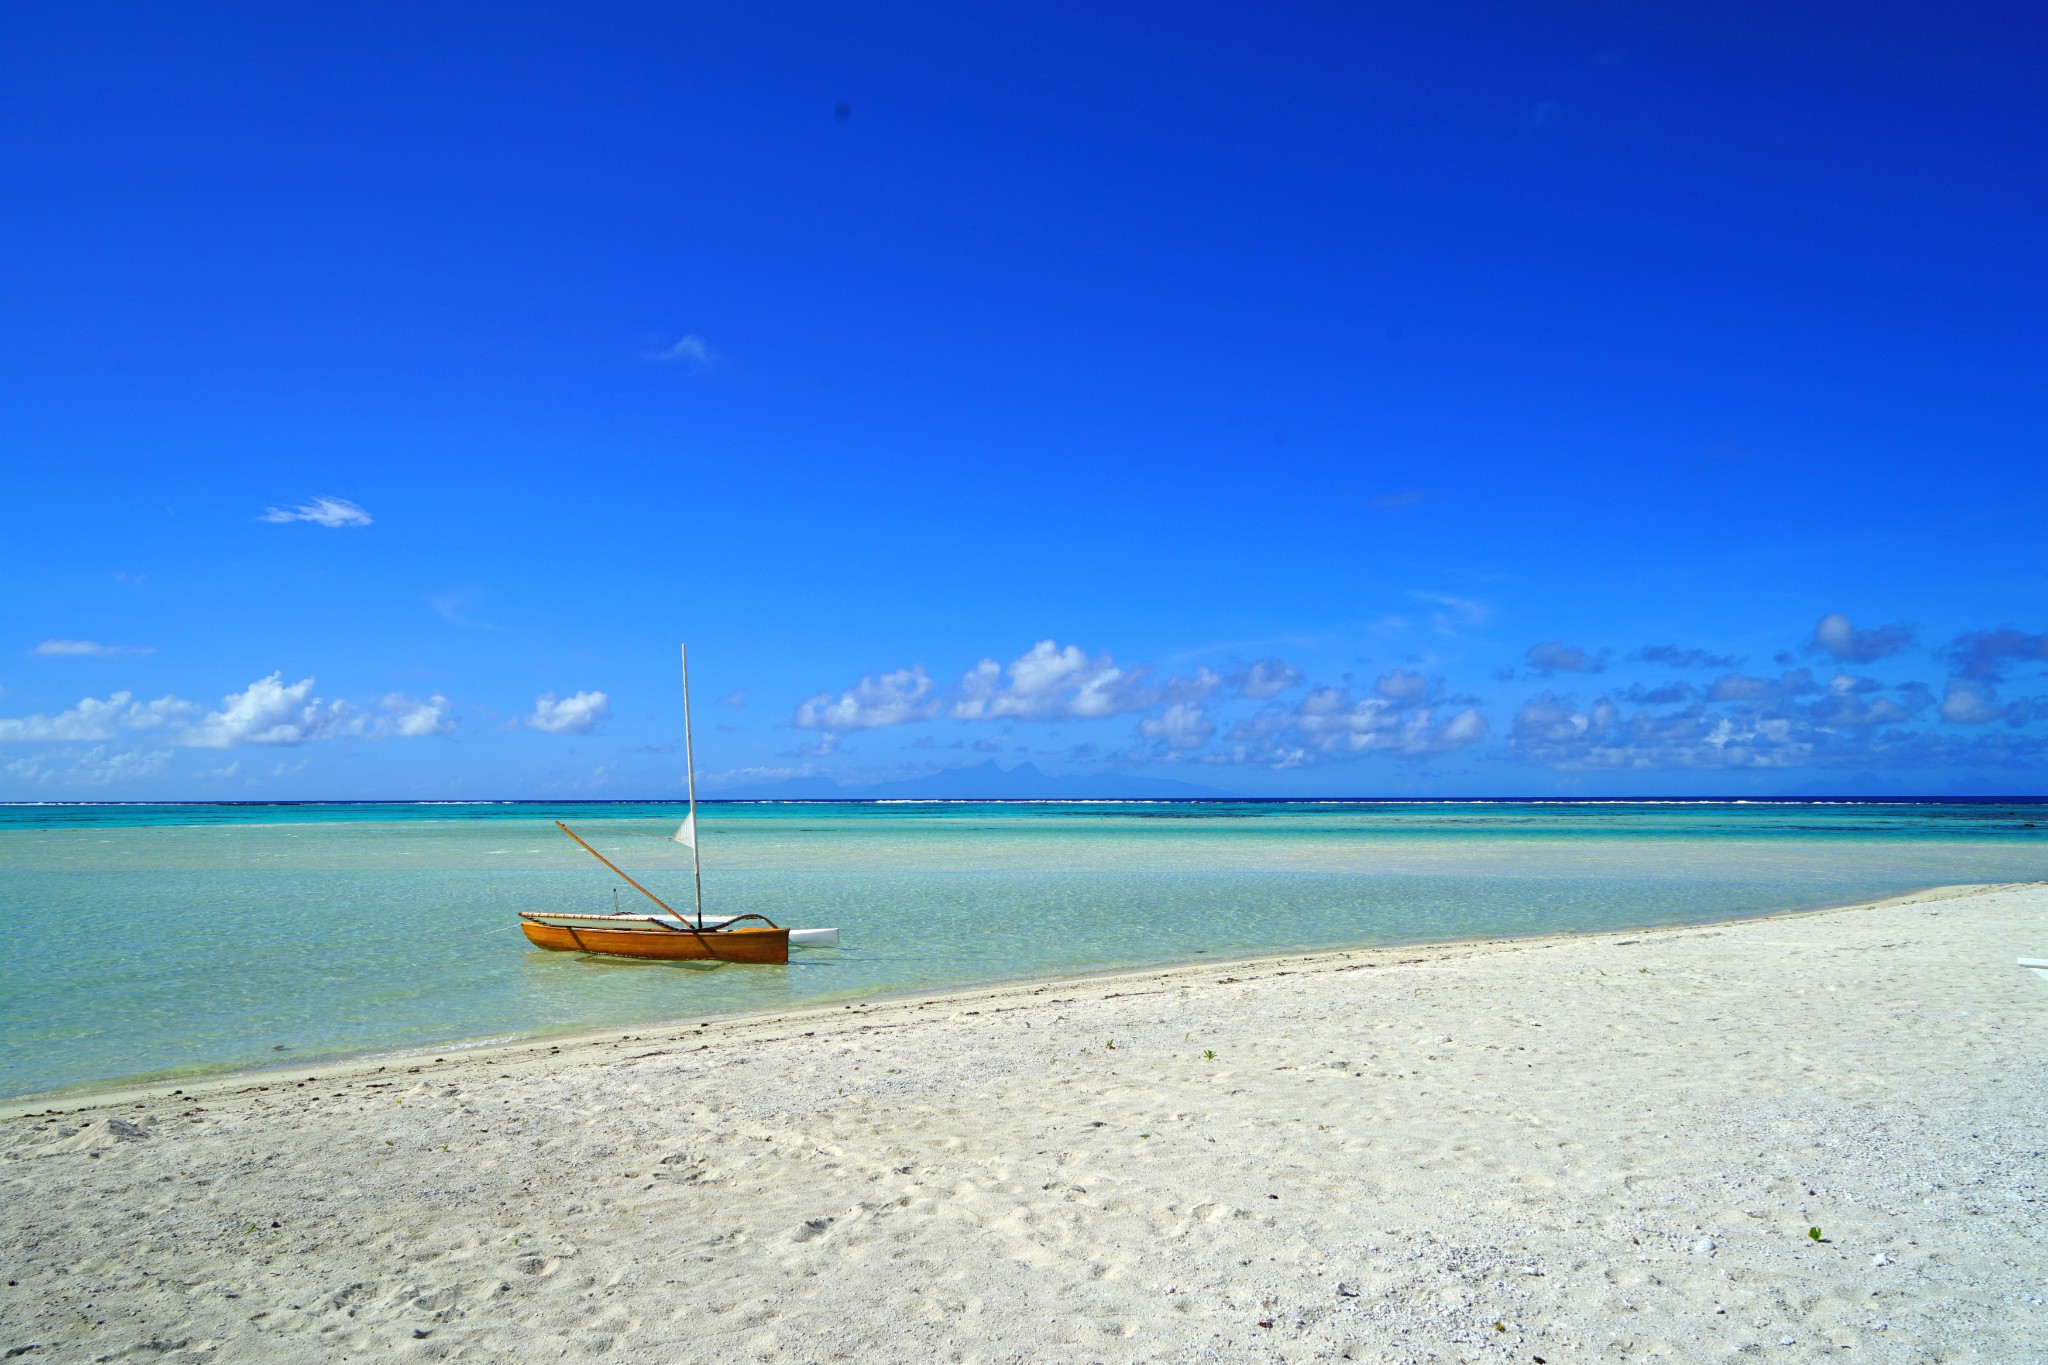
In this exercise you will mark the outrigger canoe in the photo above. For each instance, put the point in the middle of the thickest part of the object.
(620, 936)
(669, 936)
(798, 938)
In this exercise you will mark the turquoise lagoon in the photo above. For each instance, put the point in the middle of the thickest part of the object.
(173, 940)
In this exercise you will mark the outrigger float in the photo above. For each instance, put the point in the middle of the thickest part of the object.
(670, 936)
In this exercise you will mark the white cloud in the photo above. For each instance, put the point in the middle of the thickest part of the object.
(266, 712)
(898, 698)
(1764, 723)
(1967, 703)
(270, 713)
(1467, 727)
(96, 767)
(99, 767)
(410, 719)
(1834, 635)
(1409, 689)
(1047, 681)
(1989, 653)
(1182, 725)
(1671, 656)
(92, 719)
(1554, 656)
(572, 715)
(1741, 687)
(1266, 678)
(88, 649)
(691, 349)
(322, 511)
(1400, 718)
(1329, 720)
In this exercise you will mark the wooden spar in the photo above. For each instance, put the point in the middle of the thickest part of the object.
(614, 867)
(690, 769)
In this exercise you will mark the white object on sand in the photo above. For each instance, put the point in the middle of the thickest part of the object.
(2038, 964)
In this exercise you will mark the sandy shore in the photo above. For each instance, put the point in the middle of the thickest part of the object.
(1604, 1147)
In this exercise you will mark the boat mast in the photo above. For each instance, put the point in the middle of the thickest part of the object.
(690, 767)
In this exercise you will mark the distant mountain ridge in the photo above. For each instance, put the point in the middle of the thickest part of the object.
(982, 782)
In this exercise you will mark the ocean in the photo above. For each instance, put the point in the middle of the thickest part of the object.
(176, 940)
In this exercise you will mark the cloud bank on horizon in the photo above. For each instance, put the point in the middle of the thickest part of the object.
(1076, 710)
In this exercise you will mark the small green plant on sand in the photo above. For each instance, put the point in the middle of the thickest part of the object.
(1208, 1054)
(1814, 1233)
(1111, 1045)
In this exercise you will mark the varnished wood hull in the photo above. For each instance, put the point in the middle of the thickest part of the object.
(724, 945)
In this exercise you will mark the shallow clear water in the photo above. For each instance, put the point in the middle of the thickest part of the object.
(149, 940)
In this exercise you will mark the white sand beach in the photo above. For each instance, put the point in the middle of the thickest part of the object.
(1590, 1148)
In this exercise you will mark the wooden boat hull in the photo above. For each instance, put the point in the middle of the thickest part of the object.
(798, 938)
(665, 945)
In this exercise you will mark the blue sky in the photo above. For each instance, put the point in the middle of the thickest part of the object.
(1362, 399)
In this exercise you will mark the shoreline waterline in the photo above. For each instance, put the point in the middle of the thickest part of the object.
(92, 1095)
(159, 944)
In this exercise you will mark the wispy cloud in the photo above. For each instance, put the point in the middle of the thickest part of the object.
(455, 605)
(96, 767)
(332, 513)
(88, 649)
(691, 349)
(1454, 613)
(577, 714)
(1390, 501)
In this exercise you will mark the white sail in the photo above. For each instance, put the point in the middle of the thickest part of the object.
(686, 832)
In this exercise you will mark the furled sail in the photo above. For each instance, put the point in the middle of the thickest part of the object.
(686, 832)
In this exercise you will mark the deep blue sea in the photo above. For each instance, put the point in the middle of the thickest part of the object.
(177, 939)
